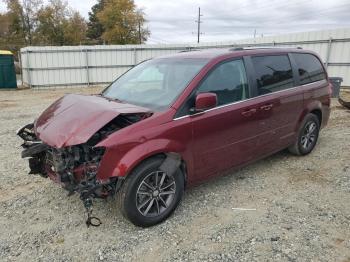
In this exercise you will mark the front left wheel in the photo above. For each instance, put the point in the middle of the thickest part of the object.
(149, 195)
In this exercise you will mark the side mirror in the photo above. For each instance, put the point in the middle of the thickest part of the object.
(205, 101)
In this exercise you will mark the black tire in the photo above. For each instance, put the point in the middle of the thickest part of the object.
(306, 141)
(134, 189)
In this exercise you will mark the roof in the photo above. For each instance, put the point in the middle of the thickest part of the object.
(198, 53)
(5, 52)
(236, 51)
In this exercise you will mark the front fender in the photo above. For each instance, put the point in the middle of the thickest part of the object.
(116, 163)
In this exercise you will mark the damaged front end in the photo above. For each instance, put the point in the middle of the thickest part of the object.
(75, 167)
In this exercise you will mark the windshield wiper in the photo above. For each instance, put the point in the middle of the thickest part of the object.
(111, 99)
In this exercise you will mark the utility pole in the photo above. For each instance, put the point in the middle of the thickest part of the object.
(199, 24)
(140, 36)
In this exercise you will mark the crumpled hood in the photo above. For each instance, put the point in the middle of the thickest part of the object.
(73, 119)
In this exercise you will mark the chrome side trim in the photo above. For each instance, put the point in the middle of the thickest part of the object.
(248, 99)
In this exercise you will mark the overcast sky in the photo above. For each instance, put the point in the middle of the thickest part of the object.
(174, 21)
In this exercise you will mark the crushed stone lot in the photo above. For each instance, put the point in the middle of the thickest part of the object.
(300, 206)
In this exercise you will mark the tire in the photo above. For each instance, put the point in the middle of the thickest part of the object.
(140, 186)
(306, 139)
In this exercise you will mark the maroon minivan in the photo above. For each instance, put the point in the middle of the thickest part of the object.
(177, 120)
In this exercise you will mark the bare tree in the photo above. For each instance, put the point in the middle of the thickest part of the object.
(23, 18)
(30, 10)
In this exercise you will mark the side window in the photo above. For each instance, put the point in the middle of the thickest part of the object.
(273, 73)
(309, 68)
(228, 81)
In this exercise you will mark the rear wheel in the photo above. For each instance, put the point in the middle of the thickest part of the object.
(149, 195)
(307, 136)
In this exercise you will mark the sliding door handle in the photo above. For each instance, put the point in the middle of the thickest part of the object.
(249, 112)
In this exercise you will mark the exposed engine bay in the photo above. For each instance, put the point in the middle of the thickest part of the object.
(75, 167)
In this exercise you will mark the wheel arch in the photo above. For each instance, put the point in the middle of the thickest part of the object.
(134, 158)
(318, 113)
(163, 155)
(315, 107)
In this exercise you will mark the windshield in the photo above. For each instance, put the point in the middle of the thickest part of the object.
(156, 83)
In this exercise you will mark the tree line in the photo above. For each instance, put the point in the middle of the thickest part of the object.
(33, 22)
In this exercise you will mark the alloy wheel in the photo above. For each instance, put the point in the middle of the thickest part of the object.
(309, 135)
(155, 193)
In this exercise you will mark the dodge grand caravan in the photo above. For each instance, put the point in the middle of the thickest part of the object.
(177, 120)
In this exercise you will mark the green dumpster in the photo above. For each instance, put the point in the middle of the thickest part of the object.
(7, 70)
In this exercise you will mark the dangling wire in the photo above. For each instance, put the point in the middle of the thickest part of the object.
(91, 220)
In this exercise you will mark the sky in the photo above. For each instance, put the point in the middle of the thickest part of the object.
(173, 21)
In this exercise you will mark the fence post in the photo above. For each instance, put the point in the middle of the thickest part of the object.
(20, 66)
(329, 46)
(135, 56)
(28, 69)
(87, 67)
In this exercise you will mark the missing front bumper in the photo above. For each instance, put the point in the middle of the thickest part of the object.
(74, 168)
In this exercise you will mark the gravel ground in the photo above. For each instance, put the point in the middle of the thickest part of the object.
(301, 206)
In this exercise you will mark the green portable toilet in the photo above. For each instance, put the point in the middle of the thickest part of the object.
(7, 70)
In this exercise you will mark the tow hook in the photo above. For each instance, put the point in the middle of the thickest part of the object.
(91, 220)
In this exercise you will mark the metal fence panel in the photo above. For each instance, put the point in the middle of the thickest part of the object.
(90, 65)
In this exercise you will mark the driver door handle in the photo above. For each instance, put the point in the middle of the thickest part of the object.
(266, 107)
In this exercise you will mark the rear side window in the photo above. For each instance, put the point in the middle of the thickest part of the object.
(273, 73)
(309, 67)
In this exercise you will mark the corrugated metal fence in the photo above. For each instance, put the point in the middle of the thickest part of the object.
(96, 65)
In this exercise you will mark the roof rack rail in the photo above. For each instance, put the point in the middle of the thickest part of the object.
(261, 47)
(189, 50)
(236, 49)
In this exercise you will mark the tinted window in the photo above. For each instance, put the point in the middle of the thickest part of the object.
(273, 73)
(228, 81)
(309, 68)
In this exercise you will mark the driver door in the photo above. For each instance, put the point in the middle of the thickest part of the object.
(224, 136)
